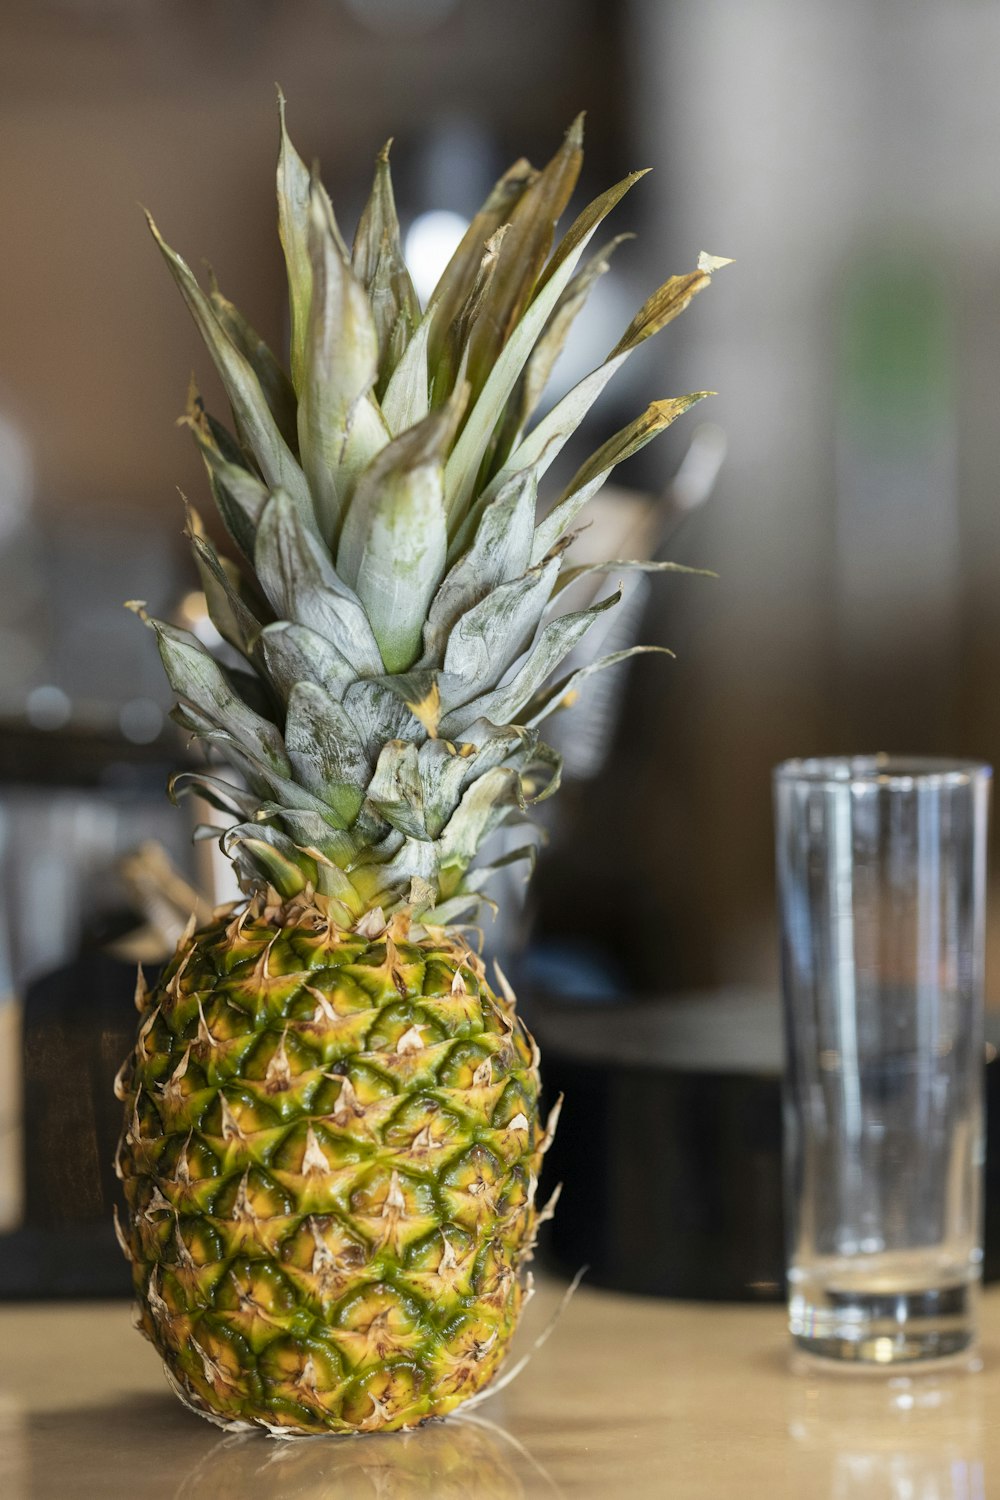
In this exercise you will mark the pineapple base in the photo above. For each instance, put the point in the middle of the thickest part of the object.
(330, 1159)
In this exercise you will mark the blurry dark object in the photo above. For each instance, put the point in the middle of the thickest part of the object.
(79, 1023)
(669, 1145)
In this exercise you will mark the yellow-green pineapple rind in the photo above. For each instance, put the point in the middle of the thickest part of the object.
(330, 1159)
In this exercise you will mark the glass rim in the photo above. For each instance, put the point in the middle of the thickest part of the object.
(883, 769)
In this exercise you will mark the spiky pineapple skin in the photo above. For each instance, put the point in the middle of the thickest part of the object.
(330, 1155)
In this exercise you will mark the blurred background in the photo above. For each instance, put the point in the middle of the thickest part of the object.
(844, 156)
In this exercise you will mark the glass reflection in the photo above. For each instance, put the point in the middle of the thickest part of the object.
(914, 1437)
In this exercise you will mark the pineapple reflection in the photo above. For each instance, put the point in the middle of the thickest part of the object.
(445, 1461)
(909, 1438)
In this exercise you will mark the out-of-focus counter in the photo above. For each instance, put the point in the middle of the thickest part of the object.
(627, 1398)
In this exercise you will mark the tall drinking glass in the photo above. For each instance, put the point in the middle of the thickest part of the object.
(881, 886)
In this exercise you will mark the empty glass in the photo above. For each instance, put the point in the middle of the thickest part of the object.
(881, 883)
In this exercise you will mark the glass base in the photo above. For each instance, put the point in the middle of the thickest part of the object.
(878, 1328)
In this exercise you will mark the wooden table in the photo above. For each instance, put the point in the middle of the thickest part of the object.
(628, 1397)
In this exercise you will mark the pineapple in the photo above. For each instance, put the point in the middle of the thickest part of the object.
(332, 1136)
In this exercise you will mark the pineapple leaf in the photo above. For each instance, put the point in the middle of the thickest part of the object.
(274, 382)
(454, 360)
(340, 425)
(459, 276)
(593, 474)
(446, 769)
(377, 261)
(310, 830)
(550, 763)
(252, 846)
(197, 677)
(239, 495)
(487, 638)
(477, 878)
(380, 711)
(444, 772)
(555, 641)
(221, 795)
(484, 806)
(636, 565)
(267, 783)
(546, 352)
(275, 458)
(469, 451)
(294, 187)
(563, 693)
(500, 550)
(522, 253)
(227, 610)
(302, 586)
(546, 440)
(394, 539)
(294, 653)
(665, 304)
(407, 396)
(325, 751)
(396, 790)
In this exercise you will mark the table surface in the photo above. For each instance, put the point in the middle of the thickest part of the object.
(629, 1397)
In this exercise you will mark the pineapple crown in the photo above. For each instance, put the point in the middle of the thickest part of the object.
(395, 600)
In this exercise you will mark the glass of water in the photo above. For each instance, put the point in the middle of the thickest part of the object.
(881, 886)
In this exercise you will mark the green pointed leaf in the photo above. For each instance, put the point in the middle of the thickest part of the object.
(500, 550)
(239, 495)
(275, 458)
(294, 185)
(303, 587)
(549, 763)
(459, 276)
(665, 304)
(447, 913)
(294, 653)
(543, 444)
(378, 262)
(274, 382)
(227, 609)
(537, 371)
(274, 794)
(293, 229)
(262, 856)
(260, 852)
(589, 478)
(484, 806)
(396, 791)
(311, 830)
(522, 254)
(556, 640)
(563, 693)
(407, 396)
(487, 638)
(325, 751)
(197, 677)
(394, 541)
(468, 453)
(379, 713)
(340, 426)
(232, 800)
(479, 876)
(569, 576)
(446, 769)
(581, 231)
(452, 365)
